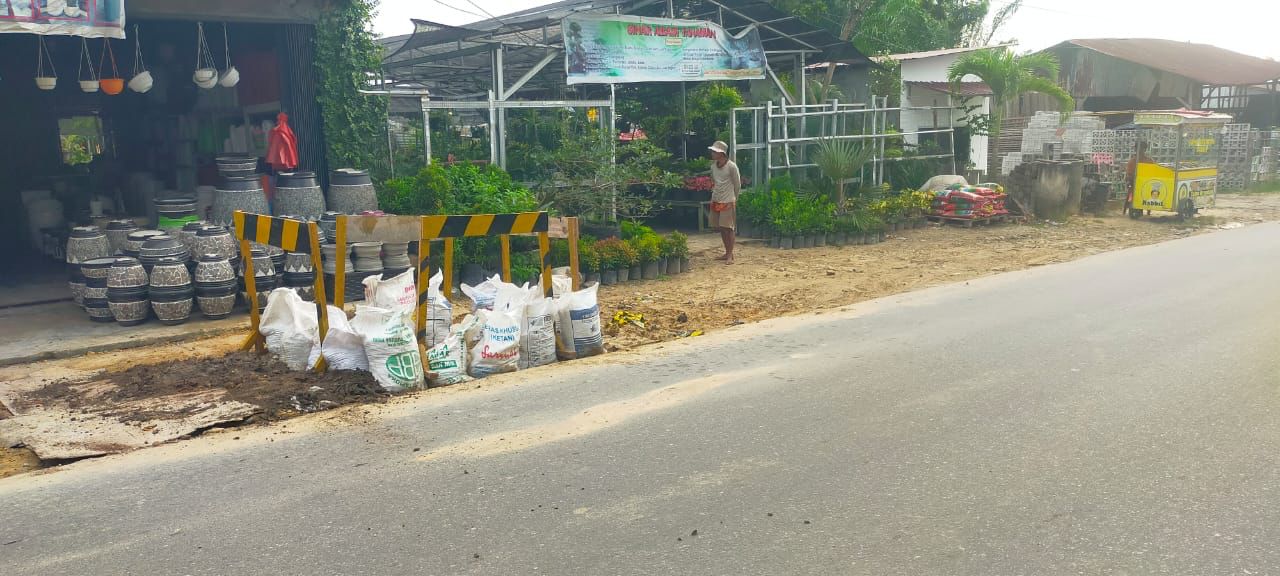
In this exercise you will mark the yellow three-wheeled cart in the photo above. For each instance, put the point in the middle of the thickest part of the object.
(1176, 162)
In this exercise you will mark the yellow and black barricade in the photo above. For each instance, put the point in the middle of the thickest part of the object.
(290, 236)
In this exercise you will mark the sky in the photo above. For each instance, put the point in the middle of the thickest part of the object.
(1247, 26)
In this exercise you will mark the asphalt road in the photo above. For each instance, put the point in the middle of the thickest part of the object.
(1115, 415)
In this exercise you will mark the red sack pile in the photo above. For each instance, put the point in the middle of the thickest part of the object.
(969, 202)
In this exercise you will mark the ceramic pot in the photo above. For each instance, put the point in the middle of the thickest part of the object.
(170, 273)
(96, 305)
(298, 263)
(127, 274)
(97, 269)
(129, 306)
(141, 82)
(87, 243)
(217, 307)
(368, 256)
(161, 247)
(134, 241)
(351, 191)
(329, 253)
(175, 213)
(89, 86)
(238, 193)
(212, 270)
(173, 312)
(329, 225)
(187, 235)
(118, 232)
(46, 82)
(218, 241)
(396, 255)
(298, 193)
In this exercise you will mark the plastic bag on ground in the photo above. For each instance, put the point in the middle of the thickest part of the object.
(483, 294)
(439, 313)
(578, 324)
(392, 348)
(343, 347)
(537, 331)
(447, 361)
(498, 348)
(398, 293)
(290, 328)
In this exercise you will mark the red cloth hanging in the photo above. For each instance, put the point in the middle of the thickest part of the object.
(282, 145)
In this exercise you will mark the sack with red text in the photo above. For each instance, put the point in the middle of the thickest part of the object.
(498, 349)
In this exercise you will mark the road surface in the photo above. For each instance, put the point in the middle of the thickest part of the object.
(1115, 415)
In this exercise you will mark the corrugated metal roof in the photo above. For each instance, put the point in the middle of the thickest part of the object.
(963, 89)
(933, 53)
(1200, 62)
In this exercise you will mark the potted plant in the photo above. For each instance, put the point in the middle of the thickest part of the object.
(786, 216)
(634, 271)
(664, 256)
(669, 254)
(649, 250)
(677, 253)
(589, 261)
(610, 260)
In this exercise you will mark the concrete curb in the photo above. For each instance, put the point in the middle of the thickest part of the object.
(122, 345)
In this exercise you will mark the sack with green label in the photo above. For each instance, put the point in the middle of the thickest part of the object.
(391, 347)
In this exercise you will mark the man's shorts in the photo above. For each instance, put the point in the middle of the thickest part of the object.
(725, 218)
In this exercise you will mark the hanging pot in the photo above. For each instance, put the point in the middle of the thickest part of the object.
(45, 79)
(114, 84)
(91, 85)
(206, 74)
(230, 76)
(141, 80)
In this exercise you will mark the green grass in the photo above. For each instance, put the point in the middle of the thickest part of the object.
(1272, 187)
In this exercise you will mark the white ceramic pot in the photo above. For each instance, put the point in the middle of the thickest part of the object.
(46, 82)
(208, 83)
(89, 85)
(142, 82)
(230, 77)
(204, 75)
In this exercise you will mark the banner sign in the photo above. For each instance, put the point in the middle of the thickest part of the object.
(620, 49)
(88, 18)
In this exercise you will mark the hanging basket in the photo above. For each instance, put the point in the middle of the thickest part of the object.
(230, 76)
(113, 84)
(206, 74)
(91, 84)
(45, 79)
(141, 80)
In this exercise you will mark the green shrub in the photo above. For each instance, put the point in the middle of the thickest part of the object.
(677, 245)
(648, 248)
(631, 230)
(615, 253)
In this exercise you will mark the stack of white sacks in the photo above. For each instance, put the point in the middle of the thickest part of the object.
(509, 328)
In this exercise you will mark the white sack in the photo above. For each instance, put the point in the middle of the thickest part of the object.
(439, 313)
(343, 347)
(578, 324)
(392, 348)
(447, 361)
(399, 294)
(498, 348)
(290, 328)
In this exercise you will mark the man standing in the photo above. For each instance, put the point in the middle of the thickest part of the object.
(727, 184)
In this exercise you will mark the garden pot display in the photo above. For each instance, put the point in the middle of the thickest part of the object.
(299, 274)
(238, 193)
(95, 300)
(673, 266)
(175, 213)
(218, 241)
(161, 247)
(819, 240)
(395, 255)
(649, 270)
(329, 225)
(786, 242)
(187, 235)
(118, 232)
(233, 164)
(329, 255)
(351, 191)
(172, 305)
(134, 241)
(298, 193)
(609, 277)
(75, 283)
(623, 274)
(87, 243)
(636, 273)
(215, 284)
(368, 256)
(264, 276)
(127, 290)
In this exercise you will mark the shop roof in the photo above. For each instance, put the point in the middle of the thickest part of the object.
(966, 89)
(1200, 62)
(935, 53)
(455, 59)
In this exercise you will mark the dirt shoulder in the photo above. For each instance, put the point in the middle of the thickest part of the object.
(764, 283)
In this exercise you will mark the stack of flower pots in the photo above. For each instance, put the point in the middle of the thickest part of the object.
(243, 193)
(395, 259)
(299, 193)
(171, 291)
(351, 191)
(127, 287)
(134, 241)
(215, 282)
(236, 165)
(95, 273)
(162, 247)
(174, 213)
(299, 274)
(187, 235)
(218, 241)
(118, 232)
(264, 277)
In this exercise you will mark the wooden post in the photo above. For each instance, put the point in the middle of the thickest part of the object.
(322, 311)
(424, 278)
(447, 287)
(544, 251)
(340, 263)
(573, 254)
(506, 257)
(250, 286)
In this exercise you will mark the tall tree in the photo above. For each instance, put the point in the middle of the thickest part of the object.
(889, 26)
(1009, 75)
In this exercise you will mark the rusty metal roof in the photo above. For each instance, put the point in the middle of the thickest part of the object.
(965, 89)
(1200, 62)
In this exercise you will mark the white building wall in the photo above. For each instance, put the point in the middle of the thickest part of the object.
(934, 69)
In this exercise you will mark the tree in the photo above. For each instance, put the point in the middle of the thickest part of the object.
(889, 26)
(1009, 76)
(840, 160)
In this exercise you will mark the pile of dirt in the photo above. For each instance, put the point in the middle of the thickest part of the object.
(255, 379)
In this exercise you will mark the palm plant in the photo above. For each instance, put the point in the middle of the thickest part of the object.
(1009, 76)
(840, 160)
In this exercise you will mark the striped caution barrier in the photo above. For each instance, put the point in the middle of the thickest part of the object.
(290, 236)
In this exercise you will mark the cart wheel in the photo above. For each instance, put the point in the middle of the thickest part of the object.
(1186, 209)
